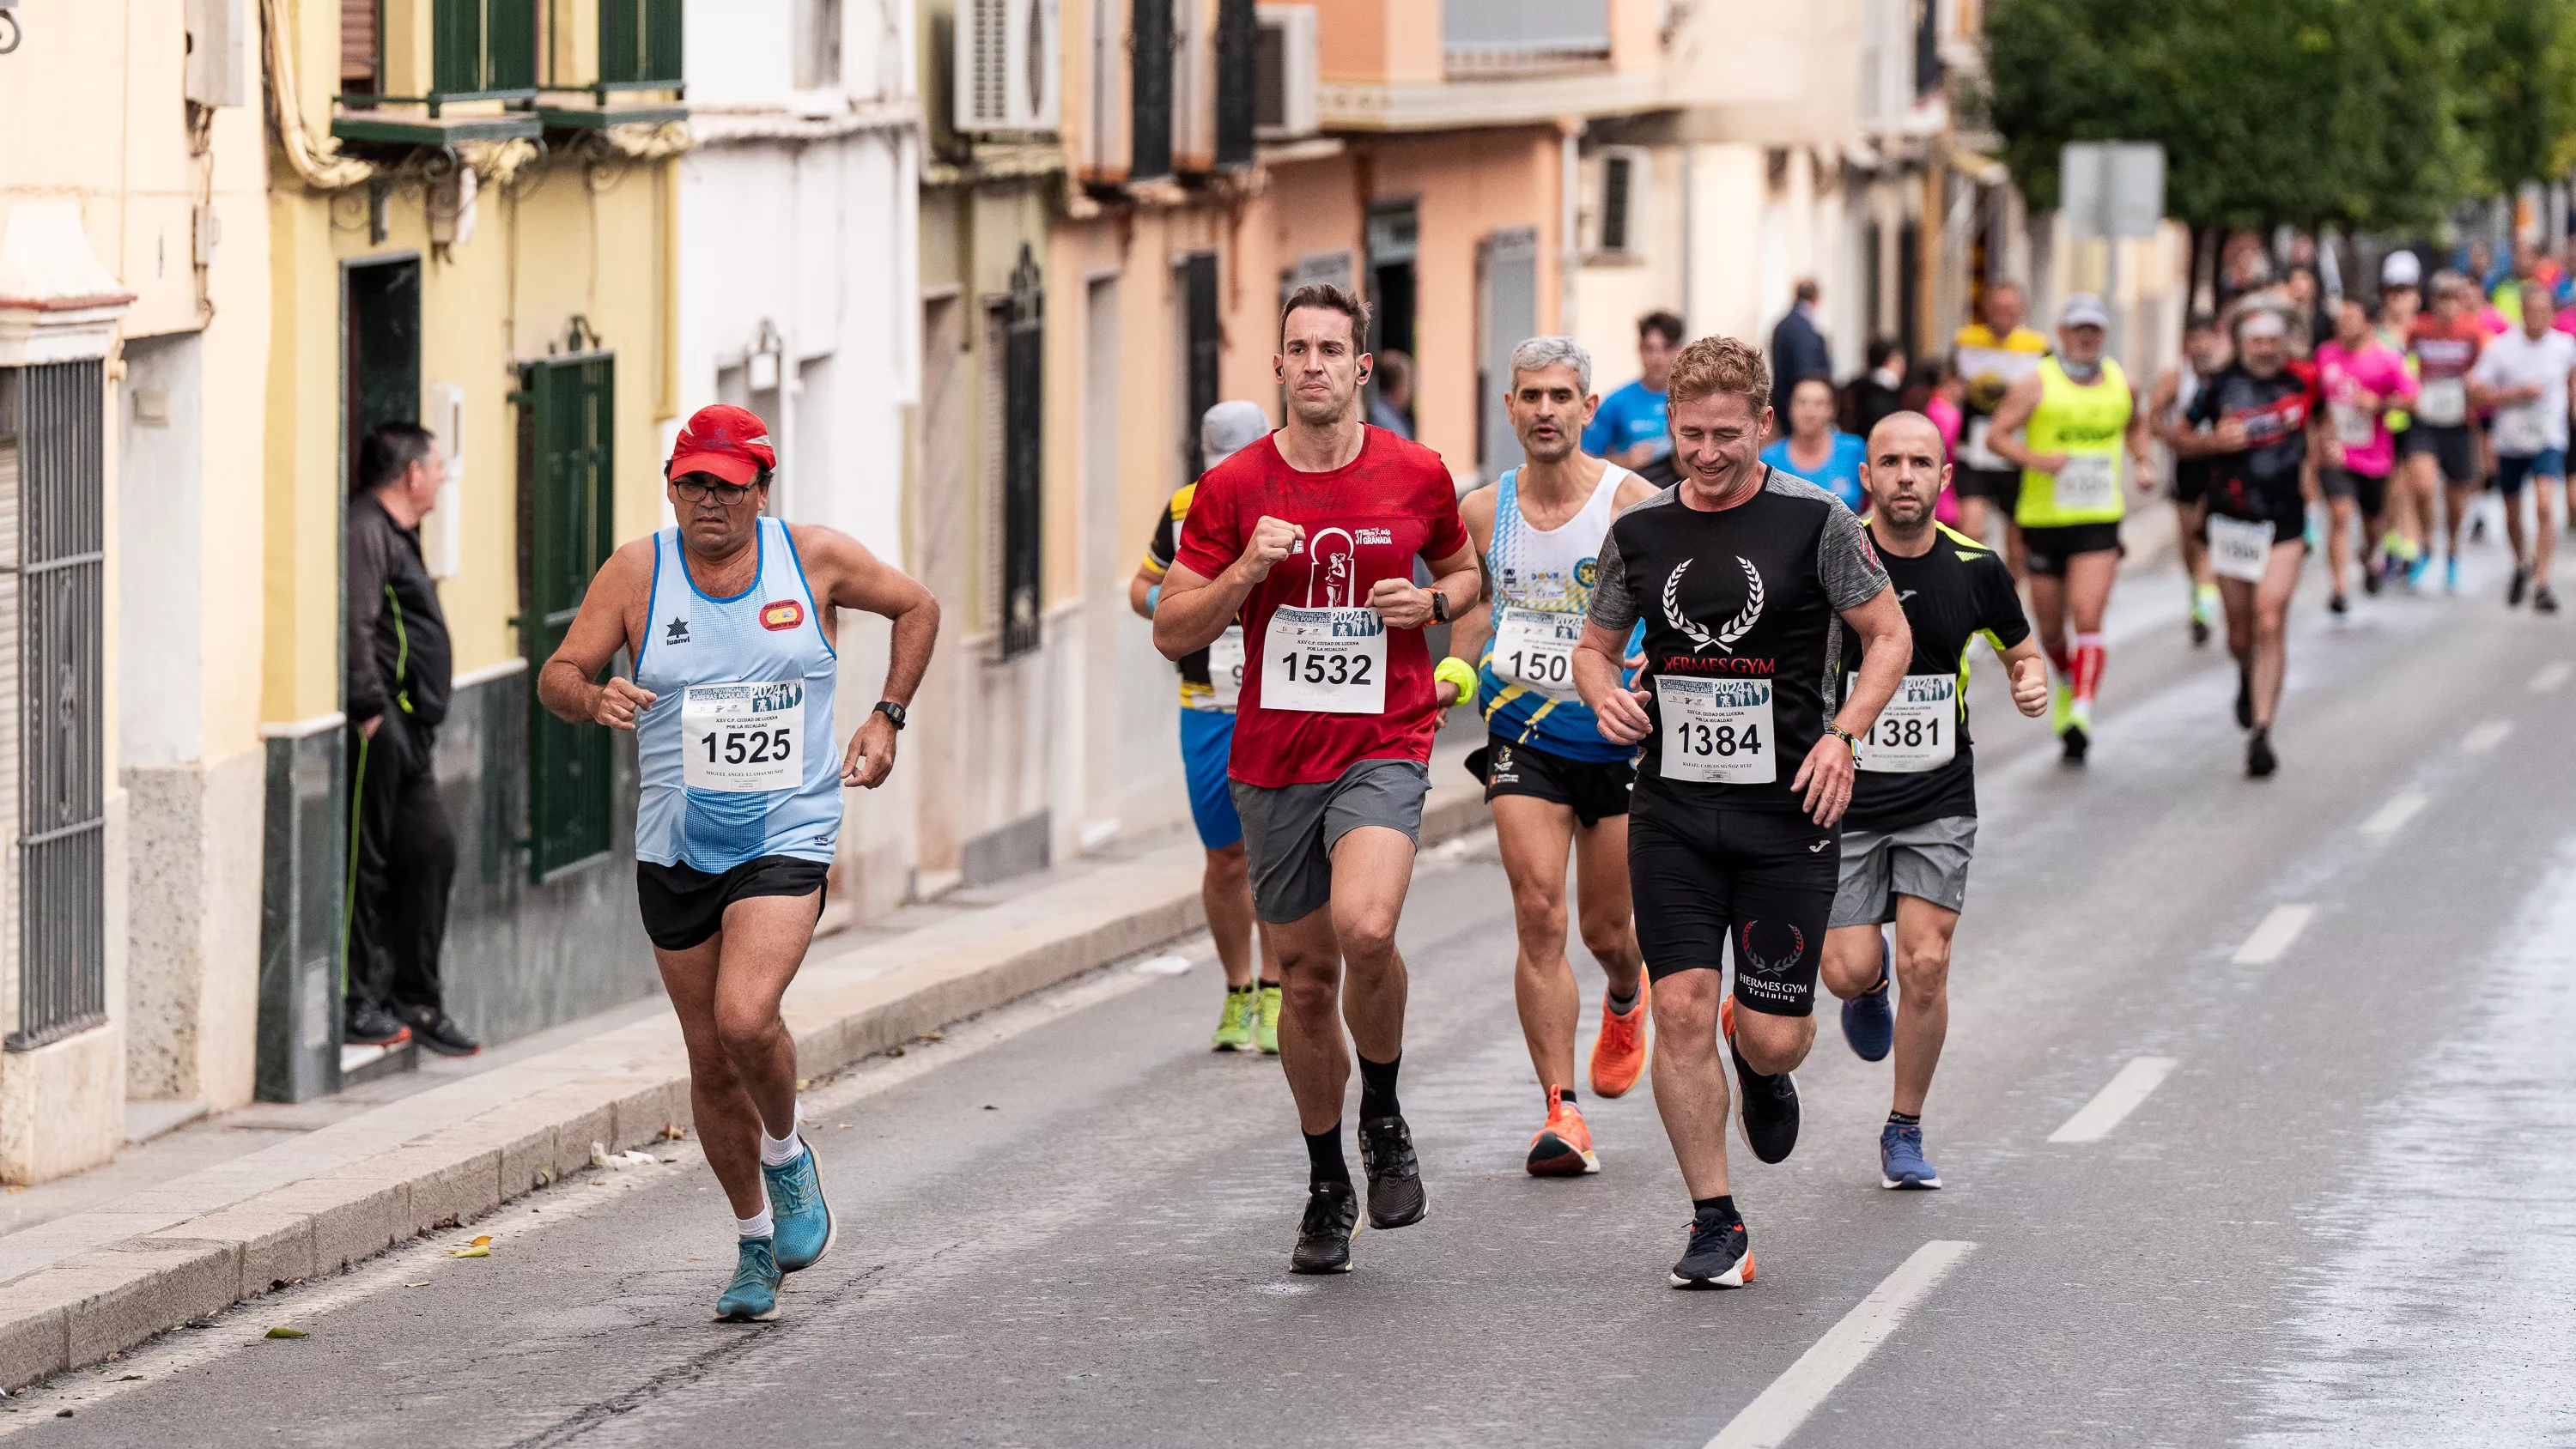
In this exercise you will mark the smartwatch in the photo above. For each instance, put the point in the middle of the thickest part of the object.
(892, 711)
(1439, 607)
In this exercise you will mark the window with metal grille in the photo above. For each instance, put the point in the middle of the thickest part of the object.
(483, 50)
(1617, 178)
(52, 527)
(639, 44)
(1238, 81)
(567, 528)
(1201, 344)
(1023, 457)
(1151, 51)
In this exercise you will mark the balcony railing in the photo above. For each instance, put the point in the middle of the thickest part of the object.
(1514, 36)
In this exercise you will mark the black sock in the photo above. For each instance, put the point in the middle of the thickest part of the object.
(1377, 1089)
(1564, 1094)
(1324, 1156)
(1904, 1119)
(1622, 1005)
(1243, 990)
(1723, 1205)
(1269, 985)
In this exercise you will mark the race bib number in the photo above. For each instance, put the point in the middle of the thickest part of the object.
(1974, 453)
(743, 739)
(2521, 431)
(2089, 483)
(1919, 729)
(2444, 402)
(1534, 648)
(2355, 428)
(1717, 731)
(2239, 548)
(1324, 661)
(1225, 668)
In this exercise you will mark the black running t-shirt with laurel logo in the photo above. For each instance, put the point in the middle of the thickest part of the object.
(1754, 593)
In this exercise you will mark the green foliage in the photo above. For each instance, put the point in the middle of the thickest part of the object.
(2376, 114)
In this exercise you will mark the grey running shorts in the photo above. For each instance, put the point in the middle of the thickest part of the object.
(1290, 831)
(1927, 861)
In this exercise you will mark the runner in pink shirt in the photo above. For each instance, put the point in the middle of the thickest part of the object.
(2362, 378)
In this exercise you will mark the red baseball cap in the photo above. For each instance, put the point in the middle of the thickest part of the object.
(730, 442)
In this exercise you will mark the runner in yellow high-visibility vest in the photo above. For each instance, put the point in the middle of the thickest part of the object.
(2068, 426)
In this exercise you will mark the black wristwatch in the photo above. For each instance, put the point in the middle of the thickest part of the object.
(892, 711)
(1439, 607)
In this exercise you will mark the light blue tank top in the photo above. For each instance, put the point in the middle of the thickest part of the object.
(736, 749)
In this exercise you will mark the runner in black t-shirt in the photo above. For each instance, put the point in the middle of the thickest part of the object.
(1913, 818)
(1740, 573)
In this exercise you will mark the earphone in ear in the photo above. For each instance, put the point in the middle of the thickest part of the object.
(1364, 372)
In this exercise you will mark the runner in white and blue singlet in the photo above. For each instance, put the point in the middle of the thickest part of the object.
(730, 618)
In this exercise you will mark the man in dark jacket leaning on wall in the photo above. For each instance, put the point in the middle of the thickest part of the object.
(404, 853)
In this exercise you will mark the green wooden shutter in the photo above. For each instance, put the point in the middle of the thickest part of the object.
(639, 42)
(567, 460)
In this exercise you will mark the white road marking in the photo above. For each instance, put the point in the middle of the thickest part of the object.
(2388, 819)
(2275, 934)
(2549, 677)
(1771, 1418)
(2095, 1119)
(2486, 736)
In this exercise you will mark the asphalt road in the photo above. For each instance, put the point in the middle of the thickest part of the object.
(2345, 1214)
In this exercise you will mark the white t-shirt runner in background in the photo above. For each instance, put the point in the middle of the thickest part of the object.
(2524, 430)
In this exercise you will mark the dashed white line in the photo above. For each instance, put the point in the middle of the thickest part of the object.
(2274, 935)
(2095, 1119)
(2486, 736)
(2549, 676)
(1771, 1418)
(2388, 819)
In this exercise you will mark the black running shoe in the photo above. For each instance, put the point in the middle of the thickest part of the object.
(368, 1024)
(2259, 759)
(1766, 1107)
(1324, 1233)
(438, 1031)
(1395, 1197)
(2521, 584)
(2075, 742)
(1720, 1254)
(2199, 633)
(2336, 605)
(2244, 698)
(2543, 601)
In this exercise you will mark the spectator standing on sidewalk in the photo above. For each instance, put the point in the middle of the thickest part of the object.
(1629, 427)
(1798, 352)
(402, 852)
(1391, 407)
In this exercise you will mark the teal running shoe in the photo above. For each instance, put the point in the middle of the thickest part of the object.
(804, 1220)
(752, 1296)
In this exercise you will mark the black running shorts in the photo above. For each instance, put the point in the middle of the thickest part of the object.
(2047, 549)
(2001, 485)
(683, 906)
(1593, 789)
(2370, 493)
(2455, 448)
(1701, 876)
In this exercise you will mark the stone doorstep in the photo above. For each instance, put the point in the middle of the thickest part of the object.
(103, 1301)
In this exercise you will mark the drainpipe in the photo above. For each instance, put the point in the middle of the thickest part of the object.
(1569, 219)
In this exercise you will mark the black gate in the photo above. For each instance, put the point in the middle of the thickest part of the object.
(51, 419)
(1023, 454)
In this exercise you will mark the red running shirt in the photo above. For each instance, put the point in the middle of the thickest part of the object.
(1365, 521)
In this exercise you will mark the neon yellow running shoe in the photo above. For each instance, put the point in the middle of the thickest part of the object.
(2061, 705)
(1234, 1029)
(1268, 1034)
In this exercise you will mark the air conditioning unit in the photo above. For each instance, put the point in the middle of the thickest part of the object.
(1009, 65)
(1284, 106)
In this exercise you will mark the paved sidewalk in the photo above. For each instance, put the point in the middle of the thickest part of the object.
(87, 1283)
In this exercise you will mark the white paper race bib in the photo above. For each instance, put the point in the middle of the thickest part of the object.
(1225, 668)
(1324, 661)
(1717, 731)
(2521, 431)
(743, 738)
(1975, 454)
(1919, 729)
(1534, 648)
(2355, 428)
(2089, 483)
(2239, 548)
(2444, 402)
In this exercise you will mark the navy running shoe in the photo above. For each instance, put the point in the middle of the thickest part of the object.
(1900, 1158)
(1869, 1021)
(1720, 1253)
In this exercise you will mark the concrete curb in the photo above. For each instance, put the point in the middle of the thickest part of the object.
(623, 1089)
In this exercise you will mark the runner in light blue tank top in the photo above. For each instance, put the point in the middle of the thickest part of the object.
(743, 690)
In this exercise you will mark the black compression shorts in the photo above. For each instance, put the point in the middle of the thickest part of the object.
(684, 906)
(1703, 876)
(2454, 447)
(2047, 549)
(1593, 789)
(2002, 485)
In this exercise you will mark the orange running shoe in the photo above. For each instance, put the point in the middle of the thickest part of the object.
(1562, 1148)
(1619, 1052)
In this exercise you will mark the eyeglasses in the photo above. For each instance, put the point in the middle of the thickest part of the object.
(695, 492)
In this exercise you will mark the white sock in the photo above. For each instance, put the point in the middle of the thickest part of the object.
(780, 1151)
(755, 1226)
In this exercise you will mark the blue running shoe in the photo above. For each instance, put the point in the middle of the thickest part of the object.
(2417, 567)
(1869, 1023)
(752, 1296)
(2451, 575)
(804, 1220)
(1900, 1159)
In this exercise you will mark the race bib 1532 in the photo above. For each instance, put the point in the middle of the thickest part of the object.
(1324, 661)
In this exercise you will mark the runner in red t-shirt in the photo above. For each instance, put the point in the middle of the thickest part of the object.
(2443, 445)
(1308, 538)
